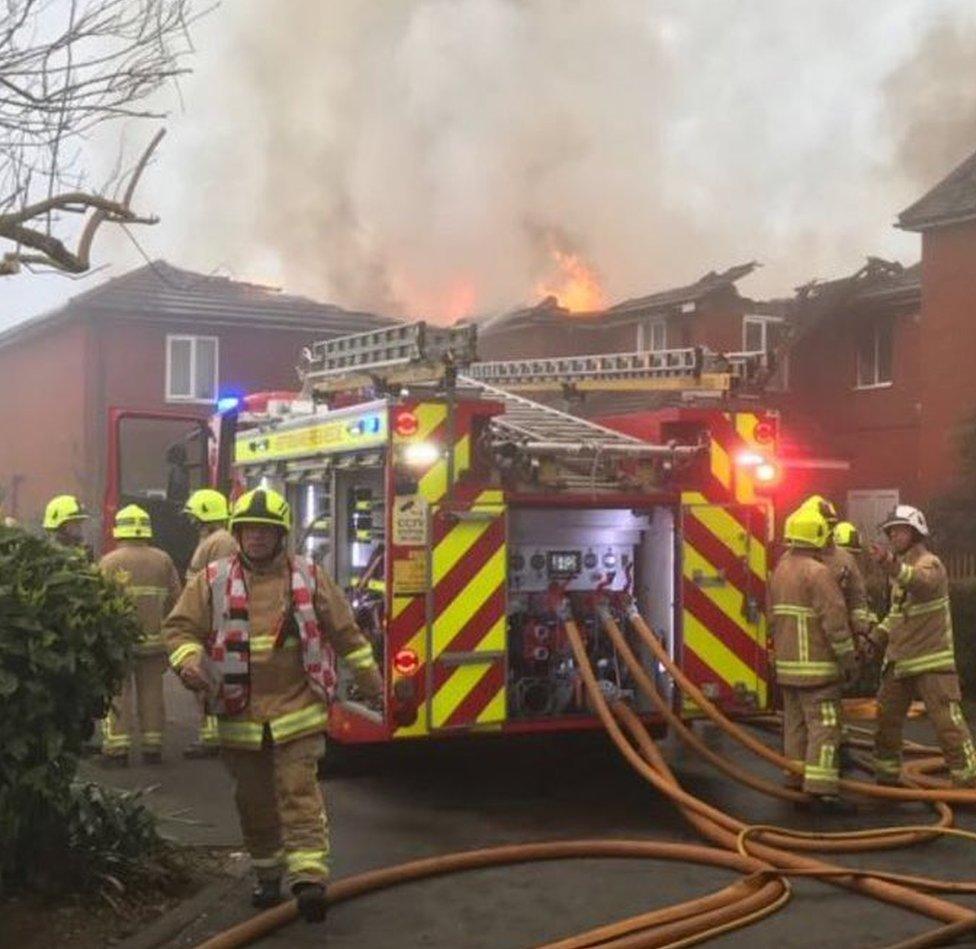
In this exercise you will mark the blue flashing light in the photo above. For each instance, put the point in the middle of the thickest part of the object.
(228, 403)
(371, 424)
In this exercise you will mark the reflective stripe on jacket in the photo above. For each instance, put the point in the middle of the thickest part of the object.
(809, 621)
(918, 627)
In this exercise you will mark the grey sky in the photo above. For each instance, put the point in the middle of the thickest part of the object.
(425, 157)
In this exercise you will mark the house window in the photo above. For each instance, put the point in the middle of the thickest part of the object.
(191, 368)
(767, 334)
(652, 336)
(874, 355)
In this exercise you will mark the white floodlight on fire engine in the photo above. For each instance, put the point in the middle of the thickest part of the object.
(421, 454)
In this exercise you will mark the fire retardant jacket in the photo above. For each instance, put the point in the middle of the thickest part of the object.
(847, 574)
(151, 581)
(217, 544)
(918, 628)
(811, 637)
(282, 703)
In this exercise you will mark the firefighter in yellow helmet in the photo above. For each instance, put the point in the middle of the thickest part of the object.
(845, 569)
(209, 512)
(814, 655)
(848, 537)
(919, 662)
(151, 580)
(63, 520)
(257, 631)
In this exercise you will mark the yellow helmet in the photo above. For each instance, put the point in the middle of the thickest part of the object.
(207, 506)
(132, 523)
(806, 527)
(261, 506)
(847, 535)
(826, 508)
(61, 510)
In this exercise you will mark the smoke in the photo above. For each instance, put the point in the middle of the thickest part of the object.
(931, 101)
(436, 157)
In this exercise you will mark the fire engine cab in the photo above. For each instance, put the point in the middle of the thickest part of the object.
(459, 514)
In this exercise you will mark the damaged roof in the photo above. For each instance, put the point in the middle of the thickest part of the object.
(951, 201)
(549, 311)
(160, 292)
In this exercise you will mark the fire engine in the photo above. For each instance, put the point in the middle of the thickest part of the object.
(457, 513)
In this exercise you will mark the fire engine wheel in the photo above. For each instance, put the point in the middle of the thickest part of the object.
(768, 856)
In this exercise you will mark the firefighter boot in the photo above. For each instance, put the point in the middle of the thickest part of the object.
(266, 893)
(313, 903)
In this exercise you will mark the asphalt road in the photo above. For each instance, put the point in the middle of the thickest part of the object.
(394, 805)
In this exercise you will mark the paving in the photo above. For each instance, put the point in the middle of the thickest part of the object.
(396, 804)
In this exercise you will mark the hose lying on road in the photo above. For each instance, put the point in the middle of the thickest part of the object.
(767, 855)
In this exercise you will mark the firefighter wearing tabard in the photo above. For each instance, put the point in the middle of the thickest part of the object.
(919, 660)
(151, 581)
(271, 622)
(814, 654)
(845, 570)
(207, 509)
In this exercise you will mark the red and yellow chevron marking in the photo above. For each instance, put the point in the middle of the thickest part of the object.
(724, 568)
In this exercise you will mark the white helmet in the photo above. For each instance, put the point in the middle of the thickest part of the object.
(909, 516)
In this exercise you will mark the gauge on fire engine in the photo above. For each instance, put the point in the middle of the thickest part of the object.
(590, 560)
(564, 564)
(609, 559)
(517, 562)
(537, 562)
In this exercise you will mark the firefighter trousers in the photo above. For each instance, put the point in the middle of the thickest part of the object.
(282, 809)
(143, 689)
(812, 735)
(940, 693)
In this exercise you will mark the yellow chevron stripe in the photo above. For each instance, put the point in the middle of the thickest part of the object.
(719, 657)
(433, 485)
(491, 496)
(729, 599)
(745, 425)
(462, 455)
(495, 710)
(721, 464)
(454, 545)
(453, 692)
(400, 603)
(468, 600)
(429, 416)
(726, 529)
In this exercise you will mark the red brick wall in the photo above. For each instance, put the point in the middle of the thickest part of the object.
(948, 348)
(877, 430)
(42, 418)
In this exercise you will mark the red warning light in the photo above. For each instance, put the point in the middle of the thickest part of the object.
(764, 432)
(405, 423)
(406, 662)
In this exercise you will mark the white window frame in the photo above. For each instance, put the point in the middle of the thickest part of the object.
(192, 398)
(647, 330)
(877, 383)
(762, 321)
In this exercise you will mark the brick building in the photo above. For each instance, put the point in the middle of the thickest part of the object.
(157, 339)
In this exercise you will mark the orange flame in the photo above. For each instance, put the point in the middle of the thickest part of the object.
(576, 286)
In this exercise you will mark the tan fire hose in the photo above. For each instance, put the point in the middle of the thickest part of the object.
(743, 848)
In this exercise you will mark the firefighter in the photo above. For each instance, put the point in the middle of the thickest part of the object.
(207, 509)
(845, 569)
(151, 580)
(848, 537)
(63, 520)
(257, 632)
(916, 637)
(814, 656)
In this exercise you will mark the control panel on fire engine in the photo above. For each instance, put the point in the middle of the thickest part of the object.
(533, 569)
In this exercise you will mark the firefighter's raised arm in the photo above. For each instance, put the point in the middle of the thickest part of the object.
(339, 625)
(185, 631)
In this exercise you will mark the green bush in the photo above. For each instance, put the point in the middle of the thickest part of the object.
(66, 642)
(963, 599)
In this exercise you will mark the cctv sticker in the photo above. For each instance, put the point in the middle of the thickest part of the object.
(410, 521)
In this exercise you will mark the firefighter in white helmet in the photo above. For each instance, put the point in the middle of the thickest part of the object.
(845, 569)
(919, 662)
(257, 631)
(151, 581)
(208, 511)
(814, 656)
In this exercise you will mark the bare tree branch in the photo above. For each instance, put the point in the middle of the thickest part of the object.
(67, 68)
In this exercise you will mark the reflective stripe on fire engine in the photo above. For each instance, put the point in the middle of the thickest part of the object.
(179, 655)
(361, 658)
(942, 661)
